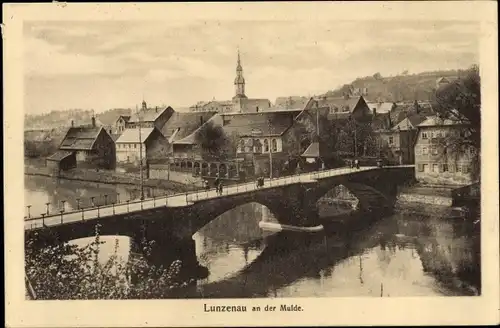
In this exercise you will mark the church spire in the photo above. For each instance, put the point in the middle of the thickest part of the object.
(238, 66)
(239, 81)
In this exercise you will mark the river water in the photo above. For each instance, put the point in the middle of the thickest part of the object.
(400, 255)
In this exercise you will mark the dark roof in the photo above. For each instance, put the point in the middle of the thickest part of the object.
(436, 121)
(416, 119)
(184, 123)
(126, 118)
(149, 115)
(80, 138)
(59, 155)
(341, 103)
(272, 123)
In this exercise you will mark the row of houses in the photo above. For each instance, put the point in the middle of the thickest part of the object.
(266, 142)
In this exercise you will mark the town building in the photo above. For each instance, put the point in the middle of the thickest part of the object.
(240, 103)
(182, 124)
(293, 102)
(121, 124)
(396, 144)
(130, 143)
(149, 117)
(91, 145)
(259, 138)
(436, 162)
(343, 107)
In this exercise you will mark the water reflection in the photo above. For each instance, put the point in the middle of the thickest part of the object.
(388, 259)
(232, 240)
(401, 255)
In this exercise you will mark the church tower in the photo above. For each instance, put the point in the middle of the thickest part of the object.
(239, 81)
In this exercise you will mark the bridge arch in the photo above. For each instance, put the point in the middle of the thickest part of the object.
(369, 197)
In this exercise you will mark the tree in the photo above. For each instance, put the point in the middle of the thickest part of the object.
(213, 142)
(461, 102)
(64, 271)
(377, 76)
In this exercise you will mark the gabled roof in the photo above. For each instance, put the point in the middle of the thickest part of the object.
(343, 104)
(381, 107)
(191, 138)
(310, 109)
(183, 124)
(270, 123)
(126, 118)
(436, 121)
(132, 135)
(410, 122)
(80, 138)
(149, 115)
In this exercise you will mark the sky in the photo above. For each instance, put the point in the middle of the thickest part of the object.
(114, 64)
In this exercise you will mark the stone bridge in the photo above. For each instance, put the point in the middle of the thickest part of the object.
(171, 221)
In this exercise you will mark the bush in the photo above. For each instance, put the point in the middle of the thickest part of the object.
(65, 272)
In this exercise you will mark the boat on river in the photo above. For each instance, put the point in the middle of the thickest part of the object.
(273, 226)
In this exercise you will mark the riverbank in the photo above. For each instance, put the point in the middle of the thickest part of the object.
(106, 176)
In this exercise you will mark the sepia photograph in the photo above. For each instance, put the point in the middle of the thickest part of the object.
(243, 159)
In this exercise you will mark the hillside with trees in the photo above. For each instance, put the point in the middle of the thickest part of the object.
(58, 119)
(402, 87)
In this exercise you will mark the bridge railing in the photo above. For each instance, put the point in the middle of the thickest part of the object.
(95, 212)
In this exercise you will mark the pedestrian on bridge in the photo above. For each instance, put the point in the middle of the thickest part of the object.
(356, 163)
(220, 188)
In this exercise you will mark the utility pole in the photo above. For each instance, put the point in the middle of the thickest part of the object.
(271, 161)
(140, 153)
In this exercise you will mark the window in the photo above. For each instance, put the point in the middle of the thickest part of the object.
(266, 145)
(135, 145)
(420, 167)
(434, 150)
(425, 151)
(242, 146)
(459, 169)
(435, 168)
(426, 167)
(465, 169)
(445, 167)
(274, 145)
(391, 140)
(424, 135)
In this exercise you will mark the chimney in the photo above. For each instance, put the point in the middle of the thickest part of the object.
(374, 111)
(93, 121)
(257, 109)
(201, 120)
(72, 123)
(156, 109)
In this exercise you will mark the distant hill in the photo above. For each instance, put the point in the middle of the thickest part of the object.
(403, 87)
(59, 119)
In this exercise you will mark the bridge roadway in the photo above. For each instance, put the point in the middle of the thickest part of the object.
(183, 199)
